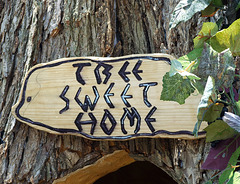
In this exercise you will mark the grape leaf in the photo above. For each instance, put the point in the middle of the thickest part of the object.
(185, 60)
(228, 38)
(219, 130)
(176, 67)
(185, 9)
(220, 155)
(176, 88)
(208, 30)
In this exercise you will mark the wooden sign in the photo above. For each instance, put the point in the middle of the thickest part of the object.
(104, 98)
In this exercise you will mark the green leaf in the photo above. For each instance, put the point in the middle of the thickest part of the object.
(217, 3)
(218, 65)
(238, 6)
(205, 102)
(212, 8)
(234, 158)
(236, 177)
(176, 67)
(206, 99)
(209, 11)
(238, 107)
(226, 175)
(213, 112)
(220, 41)
(208, 30)
(186, 60)
(228, 38)
(219, 130)
(191, 56)
(176, 88)
(209, 182)
(199, 86)
(185, 9)
(229, 171)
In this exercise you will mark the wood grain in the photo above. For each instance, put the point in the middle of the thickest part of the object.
(105, 165)
(86, 28)
(52, 94)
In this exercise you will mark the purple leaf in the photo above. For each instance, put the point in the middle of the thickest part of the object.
(219, 156)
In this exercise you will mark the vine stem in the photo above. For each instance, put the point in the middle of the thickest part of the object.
(189, 66)
(227, 146)
(222, 101)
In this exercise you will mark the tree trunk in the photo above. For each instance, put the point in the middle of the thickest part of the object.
(40, 31)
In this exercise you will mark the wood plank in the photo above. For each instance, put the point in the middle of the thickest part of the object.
(104, 98)
(91, 173)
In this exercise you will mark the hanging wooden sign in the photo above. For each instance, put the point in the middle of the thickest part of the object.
(104, 98)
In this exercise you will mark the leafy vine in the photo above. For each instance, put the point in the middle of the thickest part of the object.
(211, 69)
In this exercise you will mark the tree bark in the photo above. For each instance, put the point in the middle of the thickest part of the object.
(40, 31)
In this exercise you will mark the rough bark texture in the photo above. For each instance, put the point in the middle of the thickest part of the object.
(34, 31)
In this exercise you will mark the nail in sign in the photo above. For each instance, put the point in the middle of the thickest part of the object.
(104, 98)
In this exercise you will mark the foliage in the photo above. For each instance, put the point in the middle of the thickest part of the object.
(220, 66)
(210, 69)
(205, 103)
(176, 67)
(219, 156)
(212, 8)
(228, 38)
(208, 30)
(219, 130)
(176, 88)
(185, 9)
(229, 174)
